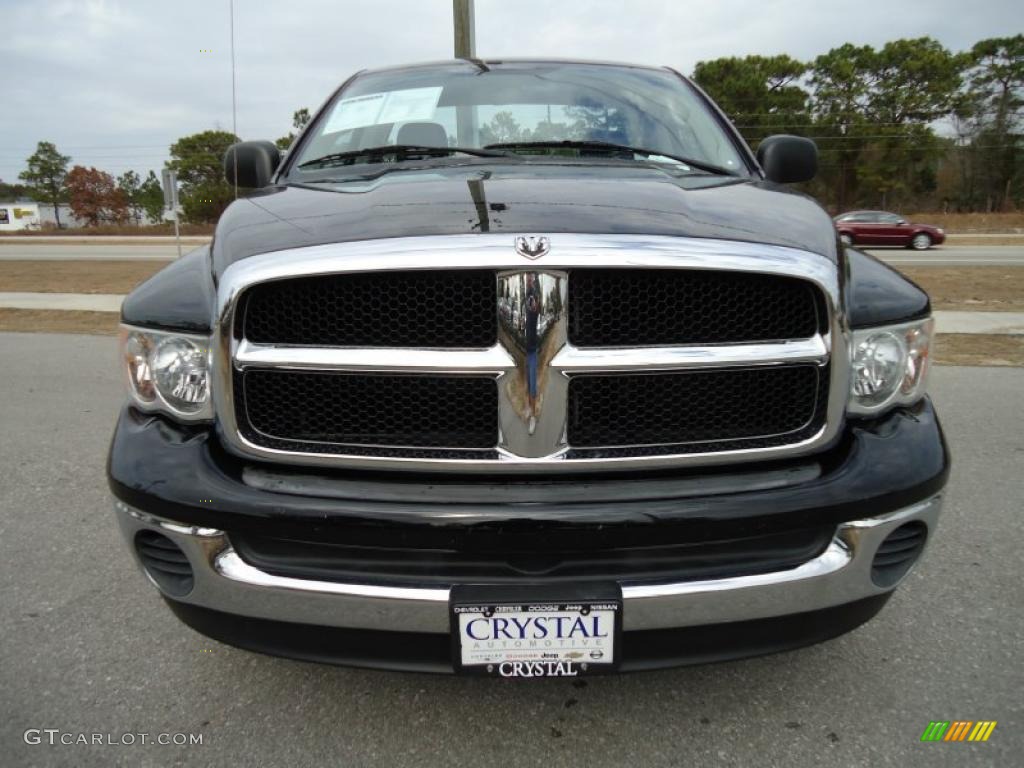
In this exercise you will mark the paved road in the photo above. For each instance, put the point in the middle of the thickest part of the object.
(950, 255)
(85, 645)
(104, 252)
(93, 302)
(950, 321)
(954, 256)
(127, 239)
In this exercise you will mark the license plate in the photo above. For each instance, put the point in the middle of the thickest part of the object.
(560, 637)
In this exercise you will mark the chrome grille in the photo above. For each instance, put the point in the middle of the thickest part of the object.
(713, 352)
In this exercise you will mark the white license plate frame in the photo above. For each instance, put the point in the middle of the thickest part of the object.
(566, 636)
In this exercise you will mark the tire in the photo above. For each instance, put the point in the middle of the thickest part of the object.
(921, 241)
(847, 239)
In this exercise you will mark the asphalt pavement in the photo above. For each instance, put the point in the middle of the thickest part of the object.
(18, 250)
(91, 302)
(87, 646)
(954, 256)
(26, 248)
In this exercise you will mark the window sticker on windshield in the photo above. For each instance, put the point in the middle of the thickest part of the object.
(412, 104)
(390, 107)
(355, 112)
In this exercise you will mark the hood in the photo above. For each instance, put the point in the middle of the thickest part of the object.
(522, 198)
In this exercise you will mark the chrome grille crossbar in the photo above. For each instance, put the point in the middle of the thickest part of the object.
(496, 360)
(593, 360)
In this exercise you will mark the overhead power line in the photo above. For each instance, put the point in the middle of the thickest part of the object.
(234, 111)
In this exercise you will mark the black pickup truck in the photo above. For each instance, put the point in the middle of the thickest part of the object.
(525, 368)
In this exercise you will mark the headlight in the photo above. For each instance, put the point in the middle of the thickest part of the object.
(180, 370)
(168, 372)
(889, 366)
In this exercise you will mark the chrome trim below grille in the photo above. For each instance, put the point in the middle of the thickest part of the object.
(224, 582)
(532, 434)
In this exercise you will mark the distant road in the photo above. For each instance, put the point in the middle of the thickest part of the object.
(954, 256)
(23, 248)
(100, 251)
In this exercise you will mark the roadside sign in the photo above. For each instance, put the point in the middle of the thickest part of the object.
(170, 185)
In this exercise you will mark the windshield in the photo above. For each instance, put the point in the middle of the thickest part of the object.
(475, 107)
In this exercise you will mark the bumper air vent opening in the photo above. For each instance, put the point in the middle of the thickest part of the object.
(165, 563)
(898, 553)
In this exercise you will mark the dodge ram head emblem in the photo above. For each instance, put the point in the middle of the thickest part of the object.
(532, 247)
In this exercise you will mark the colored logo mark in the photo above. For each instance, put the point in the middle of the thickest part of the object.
(958, 730)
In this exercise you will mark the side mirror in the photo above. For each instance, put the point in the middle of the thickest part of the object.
(252, 162)
(788, 159)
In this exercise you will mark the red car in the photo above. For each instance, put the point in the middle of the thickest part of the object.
(881, 228)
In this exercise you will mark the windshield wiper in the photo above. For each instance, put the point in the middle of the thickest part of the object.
(399, 152)
(609, 146)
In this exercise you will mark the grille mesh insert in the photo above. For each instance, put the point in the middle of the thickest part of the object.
(647, 307)
(695, 407)
(371, 410)
(435, 308)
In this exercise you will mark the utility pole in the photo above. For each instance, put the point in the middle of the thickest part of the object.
(234, 107)
(464, 25)
(465, 29)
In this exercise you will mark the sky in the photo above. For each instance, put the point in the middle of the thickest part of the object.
(114, 82)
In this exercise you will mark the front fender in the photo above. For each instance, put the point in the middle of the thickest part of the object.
(181, 296)
(876, 294)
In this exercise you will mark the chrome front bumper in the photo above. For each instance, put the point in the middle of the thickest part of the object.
(223, 582)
